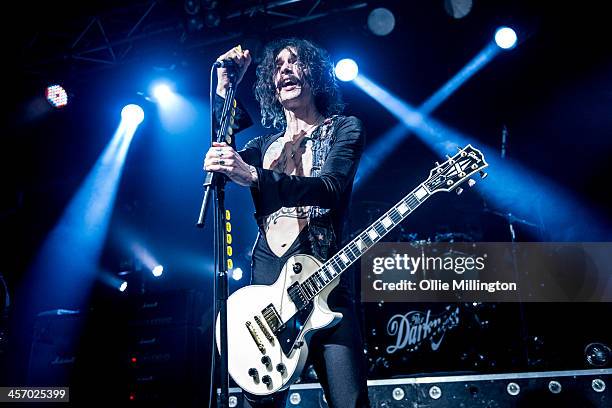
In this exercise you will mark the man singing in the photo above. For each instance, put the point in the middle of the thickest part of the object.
(301, 181)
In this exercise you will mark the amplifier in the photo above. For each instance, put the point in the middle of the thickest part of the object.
(53, 353)
(559, 389)
(166, 355)
(171, 308)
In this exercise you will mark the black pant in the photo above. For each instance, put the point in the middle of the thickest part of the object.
(336, 353)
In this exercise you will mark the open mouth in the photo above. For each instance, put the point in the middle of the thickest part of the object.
(289, 84)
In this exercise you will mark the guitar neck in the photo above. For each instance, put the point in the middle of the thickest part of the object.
(351, 253)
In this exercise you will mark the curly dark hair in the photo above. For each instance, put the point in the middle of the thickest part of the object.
(318, 72)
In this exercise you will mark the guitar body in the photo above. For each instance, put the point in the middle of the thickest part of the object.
(256, 315)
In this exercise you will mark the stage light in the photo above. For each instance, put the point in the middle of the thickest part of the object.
(237, 274)
(346, 70)
(158, 271)
(192, 7)
(162, 93)
(212, 19)
(381, 21)
(123, 286)
(132, 114)
(505, 38)
(57, 96)
(458, 8)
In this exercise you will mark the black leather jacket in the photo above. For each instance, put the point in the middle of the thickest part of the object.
(337, 148)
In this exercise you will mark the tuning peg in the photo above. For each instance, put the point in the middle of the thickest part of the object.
(471, 182)
(437, 164)
(459, 190)
(483, 174)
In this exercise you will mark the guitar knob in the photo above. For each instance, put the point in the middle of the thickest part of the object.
(471, 182)
(266, 379)
(297, 267)
(265, 360)
(280, 367)
(459, 190)
(483, 174)
(253, 373)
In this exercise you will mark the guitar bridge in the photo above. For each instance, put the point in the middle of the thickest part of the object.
(255, 337)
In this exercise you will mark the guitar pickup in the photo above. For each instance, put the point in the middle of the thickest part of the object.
(264, 330)
(272, 318)
(297, 296)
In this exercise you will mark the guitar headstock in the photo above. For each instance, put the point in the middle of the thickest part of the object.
(455, 170)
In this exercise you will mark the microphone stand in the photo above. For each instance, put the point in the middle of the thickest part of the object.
(216, 182)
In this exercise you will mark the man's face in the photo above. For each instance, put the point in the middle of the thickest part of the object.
(291, 85)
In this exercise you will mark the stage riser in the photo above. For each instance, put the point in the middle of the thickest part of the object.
(575, 391)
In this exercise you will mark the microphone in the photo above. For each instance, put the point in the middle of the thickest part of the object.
(226, 63)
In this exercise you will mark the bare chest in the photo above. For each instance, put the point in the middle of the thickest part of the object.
(292, 157)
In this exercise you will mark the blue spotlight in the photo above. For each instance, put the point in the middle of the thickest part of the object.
(144, 257)
(177, 114)
(237, 274)
(132, 114)
(65, 260)
(123, 286)
(510, 183)
(410, 116)
(346, 70)
(461, 77)
(162, 92)
(158, 271)
(505, 38)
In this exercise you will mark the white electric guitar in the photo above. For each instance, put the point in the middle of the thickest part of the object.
(269, 327)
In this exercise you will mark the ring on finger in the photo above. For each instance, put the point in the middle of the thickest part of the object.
(222, 162)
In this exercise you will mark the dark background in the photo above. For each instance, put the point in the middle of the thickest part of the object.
(553, 92)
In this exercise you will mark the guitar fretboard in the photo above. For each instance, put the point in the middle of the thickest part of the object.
(341, 261)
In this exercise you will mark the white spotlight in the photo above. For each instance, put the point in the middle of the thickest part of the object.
(158, 271)
(505, 38)
(346, 70)
(162, 92)
(133, 114)
(237, 274)
(123, 286)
